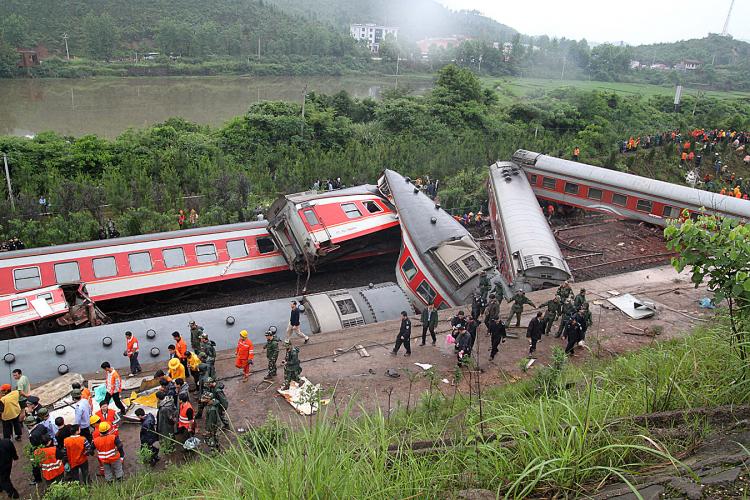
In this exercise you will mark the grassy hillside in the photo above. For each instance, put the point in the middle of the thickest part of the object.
(714, 49)
(557, 434)
(417, 18)
(106, 28)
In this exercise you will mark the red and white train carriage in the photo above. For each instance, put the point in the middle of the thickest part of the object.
(625, 195)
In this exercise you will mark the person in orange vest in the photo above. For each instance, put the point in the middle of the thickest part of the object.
(180, 348)
(85, 394)
(50, 460)
(77, 450)
(683, 158)
(186, 422)
(244, 354)
(110, 452)
(723, 191)
(576, 153)
(131, 351)
(95, 420)
(176, 370)
(113, 386)
(106, 414)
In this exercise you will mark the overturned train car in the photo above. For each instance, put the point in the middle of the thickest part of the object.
(45, 357)
(440, 262)
(528, 255)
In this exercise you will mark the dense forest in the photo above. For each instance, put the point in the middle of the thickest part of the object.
(144, 176)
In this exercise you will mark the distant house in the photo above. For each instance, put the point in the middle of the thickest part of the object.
(373, 34)
(635, 64)
(688, 65)
(659, 67)
(28, 58)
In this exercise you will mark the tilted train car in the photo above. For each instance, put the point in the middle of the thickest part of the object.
(624, 195)
(134, 265)
(528, 256)
(440, 262)
(312, 228)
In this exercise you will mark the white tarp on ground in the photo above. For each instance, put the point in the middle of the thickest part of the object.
(633, 307)
(303, 398)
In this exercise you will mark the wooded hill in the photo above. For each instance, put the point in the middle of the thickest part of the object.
(102, 29)
(714, 49)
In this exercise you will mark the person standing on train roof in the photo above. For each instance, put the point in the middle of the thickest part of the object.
(131, 351)
(113, 386)
(294, 327)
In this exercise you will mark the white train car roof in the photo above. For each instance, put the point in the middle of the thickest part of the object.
(524, 225)
(681, 196)
(114, 242)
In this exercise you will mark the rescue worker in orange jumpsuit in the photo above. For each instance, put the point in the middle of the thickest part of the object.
(114, 386)
(110, 452)
(131, 351)
(244, 354)
(180, 348)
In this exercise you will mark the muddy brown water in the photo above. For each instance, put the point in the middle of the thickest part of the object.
(109, 106)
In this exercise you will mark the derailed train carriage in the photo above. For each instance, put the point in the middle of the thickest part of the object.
(528, 255)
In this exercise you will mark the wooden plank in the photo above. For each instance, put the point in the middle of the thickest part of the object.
(56, 389)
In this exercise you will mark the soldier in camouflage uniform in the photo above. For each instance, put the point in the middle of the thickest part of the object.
(195, 336)
(564, 291)
(212, 419)
(292, 368)
(484, 285)
(580, 299)
(519, 299)
(554, 309)
(272, 353)
(209, 349)
(568, 312)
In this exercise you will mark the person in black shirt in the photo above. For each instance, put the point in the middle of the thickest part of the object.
(7, 455)
(404, 335)
(497, 335)
(535, 331)
(294, 326)
(572, 333)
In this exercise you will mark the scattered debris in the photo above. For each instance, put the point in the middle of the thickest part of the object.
(362, 351)
(56, 389)
(391, 372)
(633, 307)
(446, 381)
(706, 303)
(530, 363)
(423, 366)
(304, 397)
(613, 292)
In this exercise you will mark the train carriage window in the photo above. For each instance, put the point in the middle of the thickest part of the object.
(206, 253)
(265, 245)
(346, 307)
(27, 278)
(67, 272)
(571, 188)
(619, 199)
(310, 217)
(549, 183)
(105, 267)
(427, 293)
(595, 194)
(372, 207)
(670, 212)
(140, 262)
(532, 179)
(47, 297)
(173, 257)
(236, 249)
(18, 305)
(409, 269)
(644, 206)
(351, 210)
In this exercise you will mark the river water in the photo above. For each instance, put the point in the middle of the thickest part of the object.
(108, 106)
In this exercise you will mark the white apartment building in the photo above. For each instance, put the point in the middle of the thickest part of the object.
(372, 34)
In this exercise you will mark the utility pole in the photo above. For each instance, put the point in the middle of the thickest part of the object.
(398, 57)
(725, 31)
(7, 179)
(302, 125)
(67, 52)
(479, 69)
(258, 47)
(565, 61)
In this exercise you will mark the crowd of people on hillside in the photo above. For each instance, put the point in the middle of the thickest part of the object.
(328, 184)
(187, 219)
(11, 244)
(698, 151)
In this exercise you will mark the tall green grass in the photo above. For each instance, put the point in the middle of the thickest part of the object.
(563, 436)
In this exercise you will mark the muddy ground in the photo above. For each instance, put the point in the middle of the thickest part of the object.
(363, 380)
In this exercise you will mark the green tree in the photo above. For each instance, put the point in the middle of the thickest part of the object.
(101, 34)
(718, 251)
(16, 31)
(8, 60)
